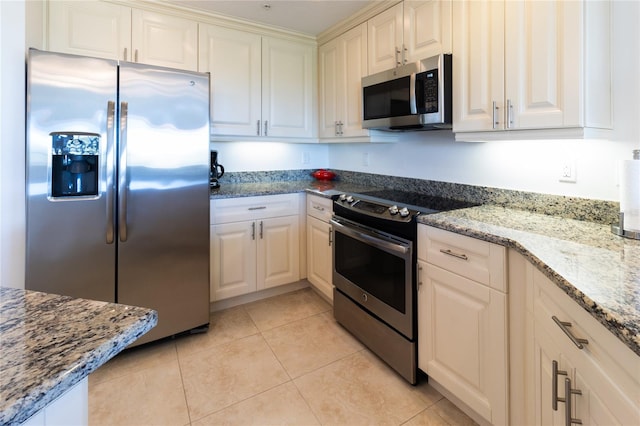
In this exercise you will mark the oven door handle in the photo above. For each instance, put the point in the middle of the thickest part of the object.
(371, 238)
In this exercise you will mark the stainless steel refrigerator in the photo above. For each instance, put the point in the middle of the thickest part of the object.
(118, 186)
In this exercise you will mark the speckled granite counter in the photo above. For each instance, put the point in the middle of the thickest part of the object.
(250, 189)
(48, 343)
(597, 269)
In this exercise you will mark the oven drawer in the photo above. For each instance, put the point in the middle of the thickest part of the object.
(320, 207)
(471, 258)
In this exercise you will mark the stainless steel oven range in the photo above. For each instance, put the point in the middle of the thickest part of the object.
(374, 258)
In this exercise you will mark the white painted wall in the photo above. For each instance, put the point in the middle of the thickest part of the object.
(266, 156)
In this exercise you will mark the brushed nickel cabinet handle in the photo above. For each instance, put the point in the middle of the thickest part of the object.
(257, 208)
(495, 120)
(509, 114)
(419, 276)
(458, 255)
(266, 127)
(568, 419)
(564, 326)
(258, 128)
(125, 54)
(554, 384)
(330, 237)
(136, 56)
(253, 231)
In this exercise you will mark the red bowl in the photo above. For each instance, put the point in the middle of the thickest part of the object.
(323, 174)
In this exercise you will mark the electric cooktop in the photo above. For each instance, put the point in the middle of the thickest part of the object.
(421, 202)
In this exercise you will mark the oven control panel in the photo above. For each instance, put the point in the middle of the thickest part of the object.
(375, 207)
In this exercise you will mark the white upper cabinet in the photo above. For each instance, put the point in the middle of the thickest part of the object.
(427, 28)
(261, 86)
(90, 28)
(164, 40)
(105, 30)
(234, 59)
(408, 32)
(523, 65)
(288, 88)
(342, 63)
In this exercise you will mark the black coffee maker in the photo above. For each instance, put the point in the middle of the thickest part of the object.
(216, 171)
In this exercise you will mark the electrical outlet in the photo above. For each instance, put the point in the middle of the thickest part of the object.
(568, 171)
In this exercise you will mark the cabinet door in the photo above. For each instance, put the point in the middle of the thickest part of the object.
(545, 352)
(233, 259)
(466, 343)
(164, 40)
(385, 40)
(278, 255)
(234, 60)
(90, 28)
(478, 66)
(354, 59)
(319, 262)
(427, 28)
(600, 403)
(329, 77)
(342, 64)
(288, 88)
(543, 63)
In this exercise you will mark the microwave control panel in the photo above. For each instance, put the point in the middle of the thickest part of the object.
(427, 83)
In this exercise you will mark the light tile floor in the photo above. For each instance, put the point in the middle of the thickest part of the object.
(282, 360)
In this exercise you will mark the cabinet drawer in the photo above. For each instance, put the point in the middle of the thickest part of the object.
(478, 260)
(227, 210)
(319, 207)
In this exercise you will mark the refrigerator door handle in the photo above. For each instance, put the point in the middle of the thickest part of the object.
(111, 114)
(122, 174)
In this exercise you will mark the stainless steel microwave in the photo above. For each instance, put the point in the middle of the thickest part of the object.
(416, 96)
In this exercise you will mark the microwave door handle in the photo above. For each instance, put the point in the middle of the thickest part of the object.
(412, 94)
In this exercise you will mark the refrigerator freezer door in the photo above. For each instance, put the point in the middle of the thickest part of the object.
(68, 221)
(163, 242)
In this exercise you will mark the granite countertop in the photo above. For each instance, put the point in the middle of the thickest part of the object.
(49, 343)
(250, 189)
(597, 269)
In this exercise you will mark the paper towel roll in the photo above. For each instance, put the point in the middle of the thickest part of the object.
(630, 194)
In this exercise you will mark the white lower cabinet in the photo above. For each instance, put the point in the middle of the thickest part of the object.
(255, 244)
(462, 319)
(69, 409)
(319, 240)
(603, 377)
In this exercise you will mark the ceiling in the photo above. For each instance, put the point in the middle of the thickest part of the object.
(309, 17)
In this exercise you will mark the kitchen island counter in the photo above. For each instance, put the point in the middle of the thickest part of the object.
(596, 268)
(49, 343)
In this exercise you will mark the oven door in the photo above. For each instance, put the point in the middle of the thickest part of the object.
(375, 270)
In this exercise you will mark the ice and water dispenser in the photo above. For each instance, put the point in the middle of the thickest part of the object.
(74, 166)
